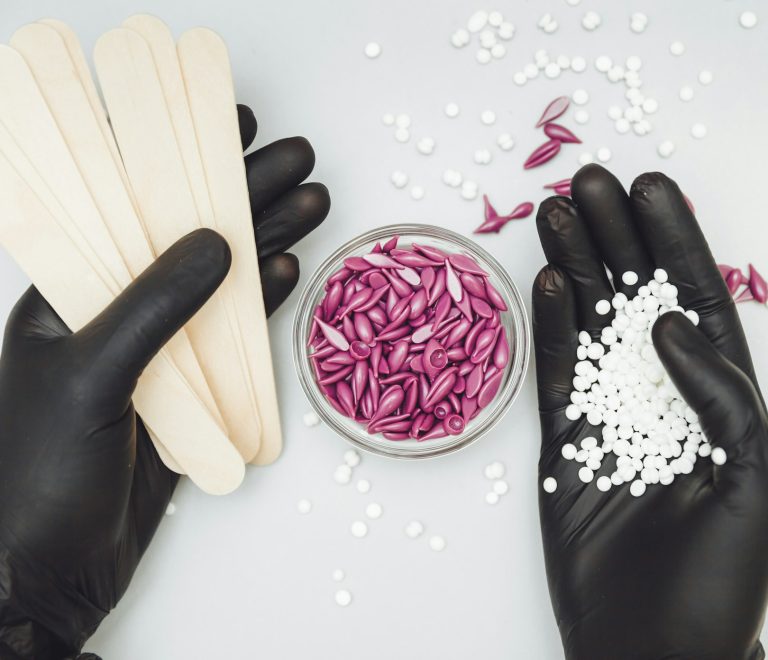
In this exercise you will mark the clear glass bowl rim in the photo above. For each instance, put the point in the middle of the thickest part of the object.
(501, 403)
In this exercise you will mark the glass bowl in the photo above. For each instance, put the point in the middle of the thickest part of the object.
(514, 321)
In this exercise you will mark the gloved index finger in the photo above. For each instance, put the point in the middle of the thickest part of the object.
(676, 243)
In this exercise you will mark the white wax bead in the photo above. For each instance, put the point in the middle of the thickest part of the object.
(352, 458)
(677, 48)
(585, 474)
(604, 483)
(414, 529)
(491, 498)
(698, 130)
(342, 474)
(580, 96)
(582, 455)
(374, 511)
(563, 61)
(616, 479)
(549, 485)
(363, 486)
(483, 56)
(705, 450)
(402, 135)
(581, 352)
(170, 509)
(304, 506)
(495, 18)
(650, 106)
(460, 38)
(496, 470)
(359, 529)
(482, 156)
(343, 597)
(719, 456)
(552, 70)
(637, 488)
(603, 63)
(488, 117)
(581, 116)
(506, 30)
(372, 50)
(388, 119)
(686, 93)
(338, 575)
(487, 38)
(602, 306)
(584, 338)
(705, 77)
(519, 78)
(748, 19)
(477, 21)
(451, 110)
(531, 71)
(615, 112)
(578, 64)
(498, 51)
(500, 487)
(693, 317)
(629, 278)
(593, 464)
(417, 193)
(437, 543)
(622, 126)
(589, 443)
(311, 419)
(505, 141)
(585, 158)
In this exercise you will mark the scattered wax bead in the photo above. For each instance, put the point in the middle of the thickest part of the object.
(311, 419)
(363, 486)
(482, 156)
(304, 506)
(505, 141)
(402, 135)
(615, 112)
(748, 19)
(498, 51)
(586, 474)
(519, 78)
(495, 18)
(425, 146)
(677, 48)
(585, 158)
(629, 278)
(572, 412)
(343, 598)
(602, 306)
(483, 56)
(666, 148)
(568, 451)
(591, 20)
(633, 63)
(549, 485)
(414, 529)
(603, 63)
(437, 543)
(495, 470)
(650, 106)
(500, 487)
(359, 529)
(581, 116)
(403, 120)
(477, 21)
(604, 483)
(492, 498)
(388, 119)
(698, 130)
(719, 456)
(580, 96)
(372, 50)
(460, 38)
(578, 64)
(399, 179)
(374, 511)
(488, 117)
(451, 110)
(637, 488)
(506, 31)
(417, 193)
(170, 509)
(622, 126)
(660, 275)
(686, 93)
(552, 70)
(338, 575)
(342, 474)
(705, 77)
(352, 458)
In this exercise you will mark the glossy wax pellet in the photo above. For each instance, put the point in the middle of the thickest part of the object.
(409, 342)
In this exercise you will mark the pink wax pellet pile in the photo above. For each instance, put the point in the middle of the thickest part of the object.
(409, 342)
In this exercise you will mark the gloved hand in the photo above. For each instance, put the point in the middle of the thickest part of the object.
(681, 572)
(82, 489)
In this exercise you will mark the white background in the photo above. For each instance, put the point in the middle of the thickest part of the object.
(246, 576)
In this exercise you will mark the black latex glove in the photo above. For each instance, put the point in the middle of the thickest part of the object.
(82, 489)
(681, 572)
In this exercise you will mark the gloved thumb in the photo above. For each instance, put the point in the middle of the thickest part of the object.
(730, 410)
(124, 337)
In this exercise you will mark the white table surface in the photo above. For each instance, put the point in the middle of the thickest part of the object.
(246, 576)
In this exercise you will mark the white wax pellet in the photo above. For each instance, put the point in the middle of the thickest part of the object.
(491, 498)
(452, 178)
(402, 134)
(477, 21)
(622, 126)
(372, 50)
(304, 506)
(584, 338)
(719, 456)
(498, 51)
(581, 116)
(338, 575)
(426, 146)
(693, 317)
(310, 419)
(551, 27)
(487, 38)
(417, 193)
(705, 450)
(568, 451)
(343, 598)
(666, 148)
(686, 93)
(495, 18)
(482, 156)
(388, 119)
(563, 61)
(483, 56)
(705, 77)
(572, 412)
(677, 48)
(505, 141)
(578, 64)
(615, 112)
(581, 352)
(342, 474)
(500, 487)
(586, 475)
(451, 110)
(698, 130)
(633, 63)
(615, 73)
(399, 179)
(589, 443)
(488, 117)
(603, 63)
(352, 458)
(602, 306)
(591, 20)
(469, 190)
(629, 278)
(748, 19)
(604, 483)
(359, 529)
(580, 96)
(496, 470)
(414, 529)
(595, 417)
(506, 30)
(531, 70)
(170, 509)
(403, 120)
(552, 70)
(437, 543)
(585, 158)
(519, 78)
(374, 511)
(638, 22)
(363, 486)
(637, 488)
(549, 485)
(650, 106)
